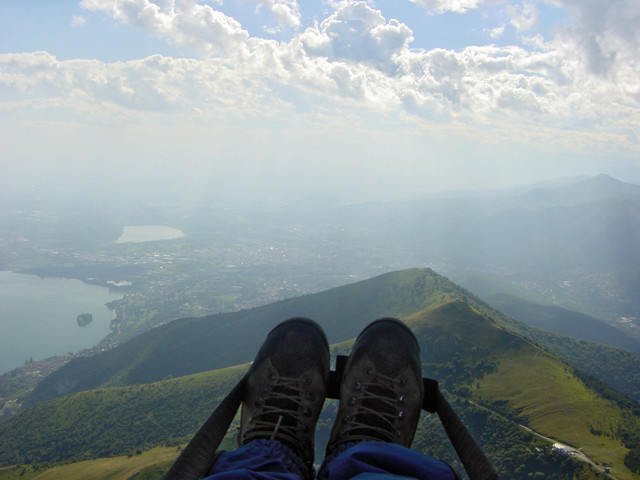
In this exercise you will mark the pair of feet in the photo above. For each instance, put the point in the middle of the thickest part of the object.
(380, 394)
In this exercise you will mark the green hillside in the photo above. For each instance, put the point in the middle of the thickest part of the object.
(475, 358)
(148, 465)
(495, 379)
(114, 421)
(616, 367)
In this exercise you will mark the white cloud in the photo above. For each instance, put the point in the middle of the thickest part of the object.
(119, 90)
(358, 33)
(523, 17)
(606, 34)
(286, 12)
(442, 6)
(187, 23)
(78, 20)
(496, 32)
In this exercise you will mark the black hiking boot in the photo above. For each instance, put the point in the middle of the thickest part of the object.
(381, 390)
(286, 387)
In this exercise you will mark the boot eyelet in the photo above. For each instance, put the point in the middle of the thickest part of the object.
(401, 415)
(402, 399)
(402, 382)
(368, 371)
(306, 380)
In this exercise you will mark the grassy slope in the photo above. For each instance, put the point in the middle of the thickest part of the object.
(617, 367)
(554, 402)
(149, 464)
(538, 387)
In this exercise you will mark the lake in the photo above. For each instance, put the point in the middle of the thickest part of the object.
(148, 233)
(38, 317)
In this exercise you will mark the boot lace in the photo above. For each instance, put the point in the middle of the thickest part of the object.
(375, 409)
(278, 415)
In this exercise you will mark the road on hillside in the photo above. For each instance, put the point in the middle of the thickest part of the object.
(574, 452)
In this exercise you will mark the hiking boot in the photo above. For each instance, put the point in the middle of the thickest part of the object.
(381, 390)
(286, 387)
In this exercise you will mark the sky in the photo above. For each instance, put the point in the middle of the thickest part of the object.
(285, 98)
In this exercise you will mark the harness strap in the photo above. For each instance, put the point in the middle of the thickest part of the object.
(475, 462)
(198, 457)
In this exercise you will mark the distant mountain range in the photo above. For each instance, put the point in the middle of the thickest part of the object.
(592, 225)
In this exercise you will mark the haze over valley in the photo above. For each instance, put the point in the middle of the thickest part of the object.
(571, 244)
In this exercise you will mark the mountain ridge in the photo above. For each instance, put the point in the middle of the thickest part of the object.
(198, 344)
(190, 345)
(581, 190)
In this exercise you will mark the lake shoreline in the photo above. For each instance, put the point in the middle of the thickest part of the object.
(39, 316)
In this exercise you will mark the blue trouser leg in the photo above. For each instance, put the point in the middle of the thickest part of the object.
(260, 460)
(379, 460)
(270, 460)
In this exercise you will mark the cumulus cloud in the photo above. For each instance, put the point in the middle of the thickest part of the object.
(523, 17)
(186, 23)
(154, 84)
(605, 33)
(286, 12)
(358, 33)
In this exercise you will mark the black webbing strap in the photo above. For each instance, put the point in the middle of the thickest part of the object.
(475, 462)
(196, 459)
